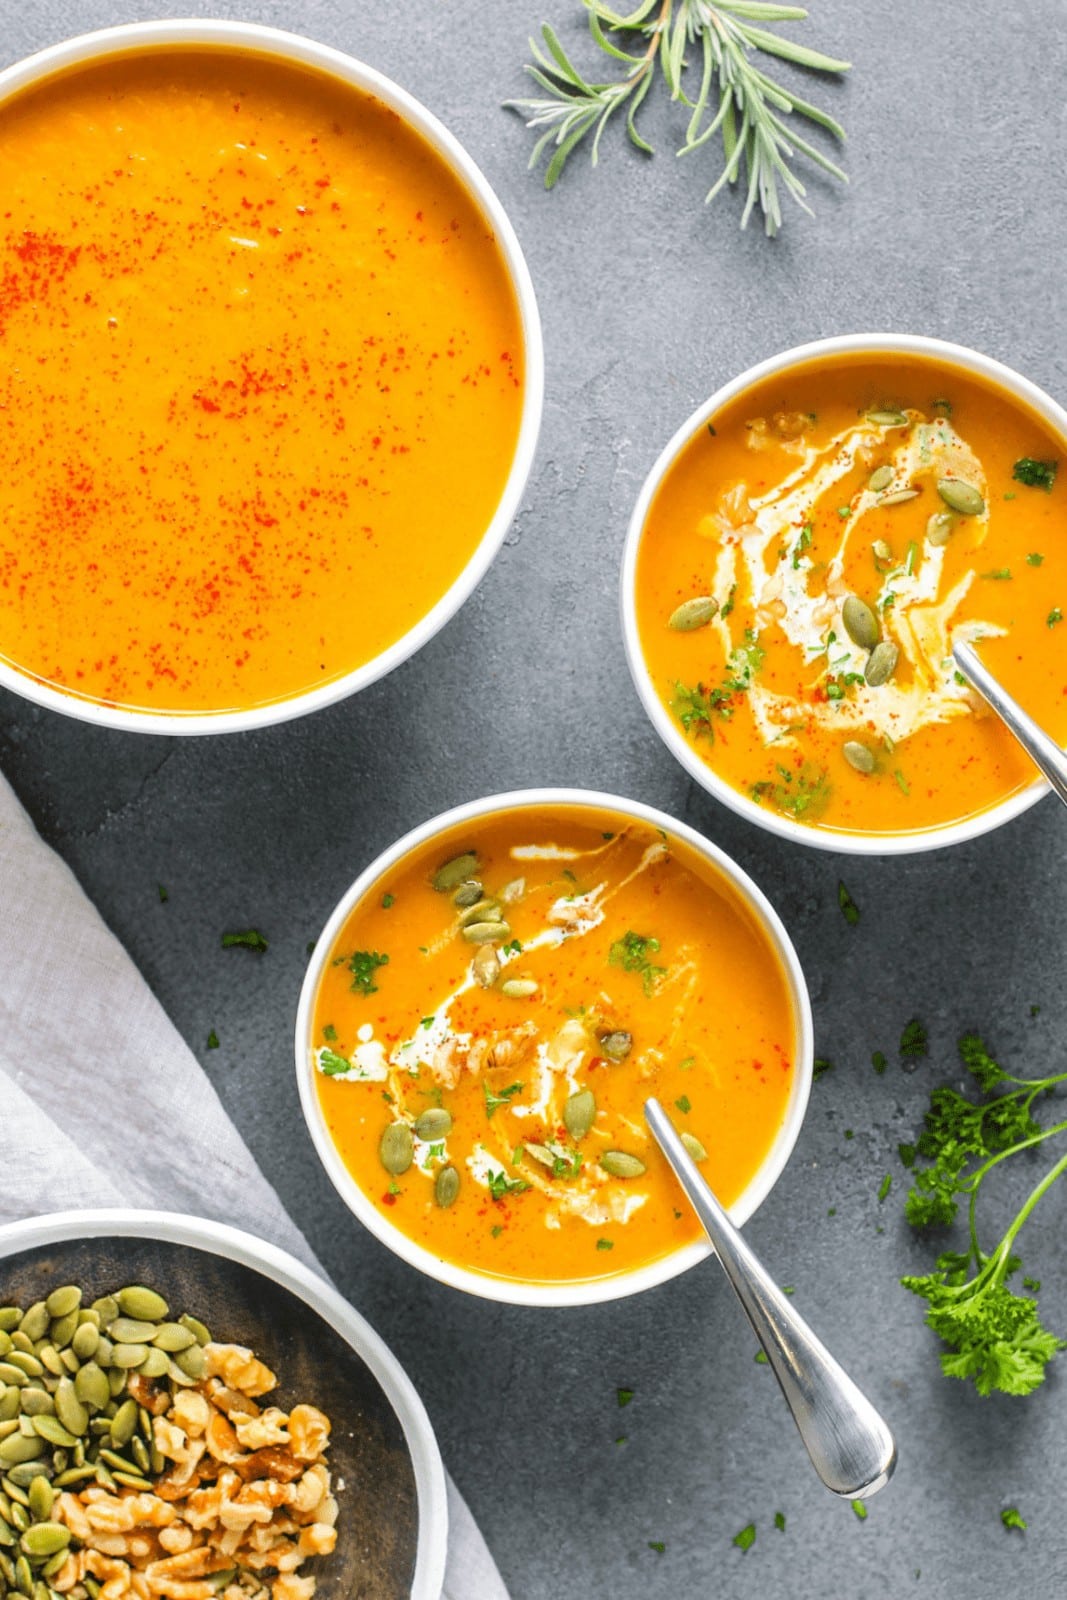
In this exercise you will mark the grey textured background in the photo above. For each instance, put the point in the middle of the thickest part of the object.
(952, 225)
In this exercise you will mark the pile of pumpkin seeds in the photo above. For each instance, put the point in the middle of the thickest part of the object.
(481, 922)
(67, 1419)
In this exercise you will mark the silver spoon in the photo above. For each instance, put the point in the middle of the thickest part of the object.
(850, 1446)
(1044, 752)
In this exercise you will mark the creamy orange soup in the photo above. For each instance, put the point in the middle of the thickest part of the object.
(806, 565)
(261, 376)
(496, 1011)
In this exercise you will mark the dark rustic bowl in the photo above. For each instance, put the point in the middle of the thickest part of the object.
(392, 1529)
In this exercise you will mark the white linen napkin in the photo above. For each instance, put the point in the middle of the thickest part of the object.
(64, 975)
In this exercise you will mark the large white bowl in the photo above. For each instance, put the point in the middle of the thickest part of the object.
(92, 1234)
(507, 1289)
(873, 344)
(291, 47)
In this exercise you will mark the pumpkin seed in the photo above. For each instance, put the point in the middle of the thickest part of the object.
(116, 1378)
(192, 1362)
(103, 1351)
(91, 1386)
(940, 526)
(143, 1304)
(75, 1475)
(7, 1429)
(961, 496)
(69, 1409)
(621, 1164)
(172, 1336)
(446, 1187)
(196, 1328)
(487, 932)
(860, 622)
(541, 1153)
(579, 1113)
(156, 1361)
(454, 871)
(70, 1361)
(858, 755)
(11, 1374)
(9, 1404)
(889, 417)
(128, 1356)
(45, 1538)
(397, 1149)
(124, 1424)
(881, 663)
(481, 911)
(898, 497)
(50, 1569)
(617, 1044)
(19, 1341)
(18, 1448)
(61, 1302)
(37, 1403)
(10, 1317)
(34, 1324)
(881, 550)
(7, 1538)
(880, 479)
(127, 1330)
(27, 1364)
(5, 1342)
(436, 1123)
(42, 1498)
(486, 966)
(85, 1341)
(23, 1473)
(694, 1147)
(63, 1329)
(133, 1480)
(107, 1309)
(693, 614)
(519, 988)
(24, 1577)
(468, 893)
(52, 1429)
(140, 1455)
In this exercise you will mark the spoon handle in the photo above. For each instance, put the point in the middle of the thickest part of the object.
(1043, 751)
(850, 1445)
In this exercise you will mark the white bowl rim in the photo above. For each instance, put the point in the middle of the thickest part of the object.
(874, 344)
(219, 1239)
(592, 1291)
(255, 37)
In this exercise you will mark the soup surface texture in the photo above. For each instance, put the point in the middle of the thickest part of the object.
(495, 1012)
(809, 559)
(261, 377)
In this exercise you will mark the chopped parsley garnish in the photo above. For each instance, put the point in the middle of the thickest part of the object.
(496, 1230)
(363, 965)
(942, 407)
(913, 1039)
(331, 1063)
(849, 909)
(632, 953)
(884, 1187)
(849, 1133)
(310, 947)
(760, 1358)
(696, 707)
(329, 1033)
(729, 605)
(844, 511)
(860, 1509)
(1034, 559)
(1033, 1284)
(394, 1187)
(212, 1040)
(879, 1062)
(803, 542)
(387, 901)
(902, 782)
(803, 792)
(163, 895)
(624, 1396)
(779, 1521)
(499, 1097)
(513, 948)
(711, 430)
(1035, 474)
(250, 939)
(683, 1104)
(501, 1185)
(746, 1538)
(820, 1066)
(907, 1153)
(1054, 616)
(657, 1545)
(1012, 1518)
(605, 1244)
(427, 1022)
(998, 574)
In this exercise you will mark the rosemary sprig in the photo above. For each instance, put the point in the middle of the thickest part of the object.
(732, 96)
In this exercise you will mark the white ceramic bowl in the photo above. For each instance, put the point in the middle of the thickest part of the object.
(555, 1294)
(92, 1246)
(874, 344)
(291, 47)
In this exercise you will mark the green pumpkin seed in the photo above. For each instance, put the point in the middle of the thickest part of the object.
(140, 1454)
(44, 1539)
(124, 1424)
(7, 1537)
(519, 988)
(61, 1302)
(27, 1364)
(881, 550)
(940, 527)
(133, 1480)
(156, 1362)
(880, 479)
(693, 614)
(128, 1330)
(5, 1343)
(10, 1317)
(172, 1336)
(117, 1461)
(18, 1448)
(860, 622)
(63, 1329)
(20, 1516)
(90, 1316)
(579, 1113)
(196, 1328)
(85, 1341)
(621, 1164)
(454, 871)
(128, 1356)
(19, 1341)
(37, 1403)
(881, 663)
(52, 1429)
(107, 1309)
(69, 1409)
(446, 1187)
(91, 1386)
(481, 911)
(542, 1154)
(9, 1404)
(858, 756)
(144, 1305)
(24, 1577)
(35, 1322)
(396, 1150)
(104, 1351)
(694, 1148)
(617, 1044)
(468, 893)
(486, 966)
(434, 1124)
(42, 1498)
(487, 932)
(7, 1429)
(116, 1379)
(888, 417)
(219, 1580)
(899, 496)
(75, 1475)
(961, 496)
(22, 1474)
(50, 1569)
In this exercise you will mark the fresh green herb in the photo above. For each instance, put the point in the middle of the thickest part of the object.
(434, 1152)
(310, 946)
(760, 1358)
(998, 574)
(363, 964)
(501, 1185)
(624, 1396)
(820, 1066)
(942, 407)
(163, 895)
(802, 543)
(394, 1187)
(913, 1040)
(1054, 616)
(849, 1134)
(995, 1337)
(860, 1509)
(884, 1187)
(621, 1439)
(907, 1153)
(496, 1230)
(1033, 559)
(331, 1063)
(212, 1040)
(844, 511)
(684, 1066)
(746, 1538)
(610, 836)
(960, 679)
(849, 909)
(517, 1153)
(910, 557)
(879, 1062)
(683, 1104)
(1035, 474)
(387, 901)
(605, 1244)
(779, 1521)
(730, 599)
(832, 1211)
(889, 602)
(711, 430)
(1035, 1011)
(1012, 1518)
(902, 782)
(329, 1033)
(499, 1097)
(1033, 1284)
(387, 1097)
(804, 792)
(657, 1545)
(697, 707)
(787, 1288)
(513, 948)
(250, 939)
(632, 953)
(427, 1022)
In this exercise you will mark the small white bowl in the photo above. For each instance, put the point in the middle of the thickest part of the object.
(290, 47)
(513, 1291)
(166, 1249)
(875, 345)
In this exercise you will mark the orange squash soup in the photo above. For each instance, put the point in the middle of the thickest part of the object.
(496, 1010)
(808, 561)
(261, 380)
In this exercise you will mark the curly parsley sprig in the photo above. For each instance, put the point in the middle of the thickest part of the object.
(722, 87)
(995, 1336)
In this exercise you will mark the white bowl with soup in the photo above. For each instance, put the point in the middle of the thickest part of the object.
(800, 561)
(488, 1008)
(272, 373)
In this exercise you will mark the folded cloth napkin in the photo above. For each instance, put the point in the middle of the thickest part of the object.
(64, 975)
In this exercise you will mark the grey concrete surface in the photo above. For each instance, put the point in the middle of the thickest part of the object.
(952, 225)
